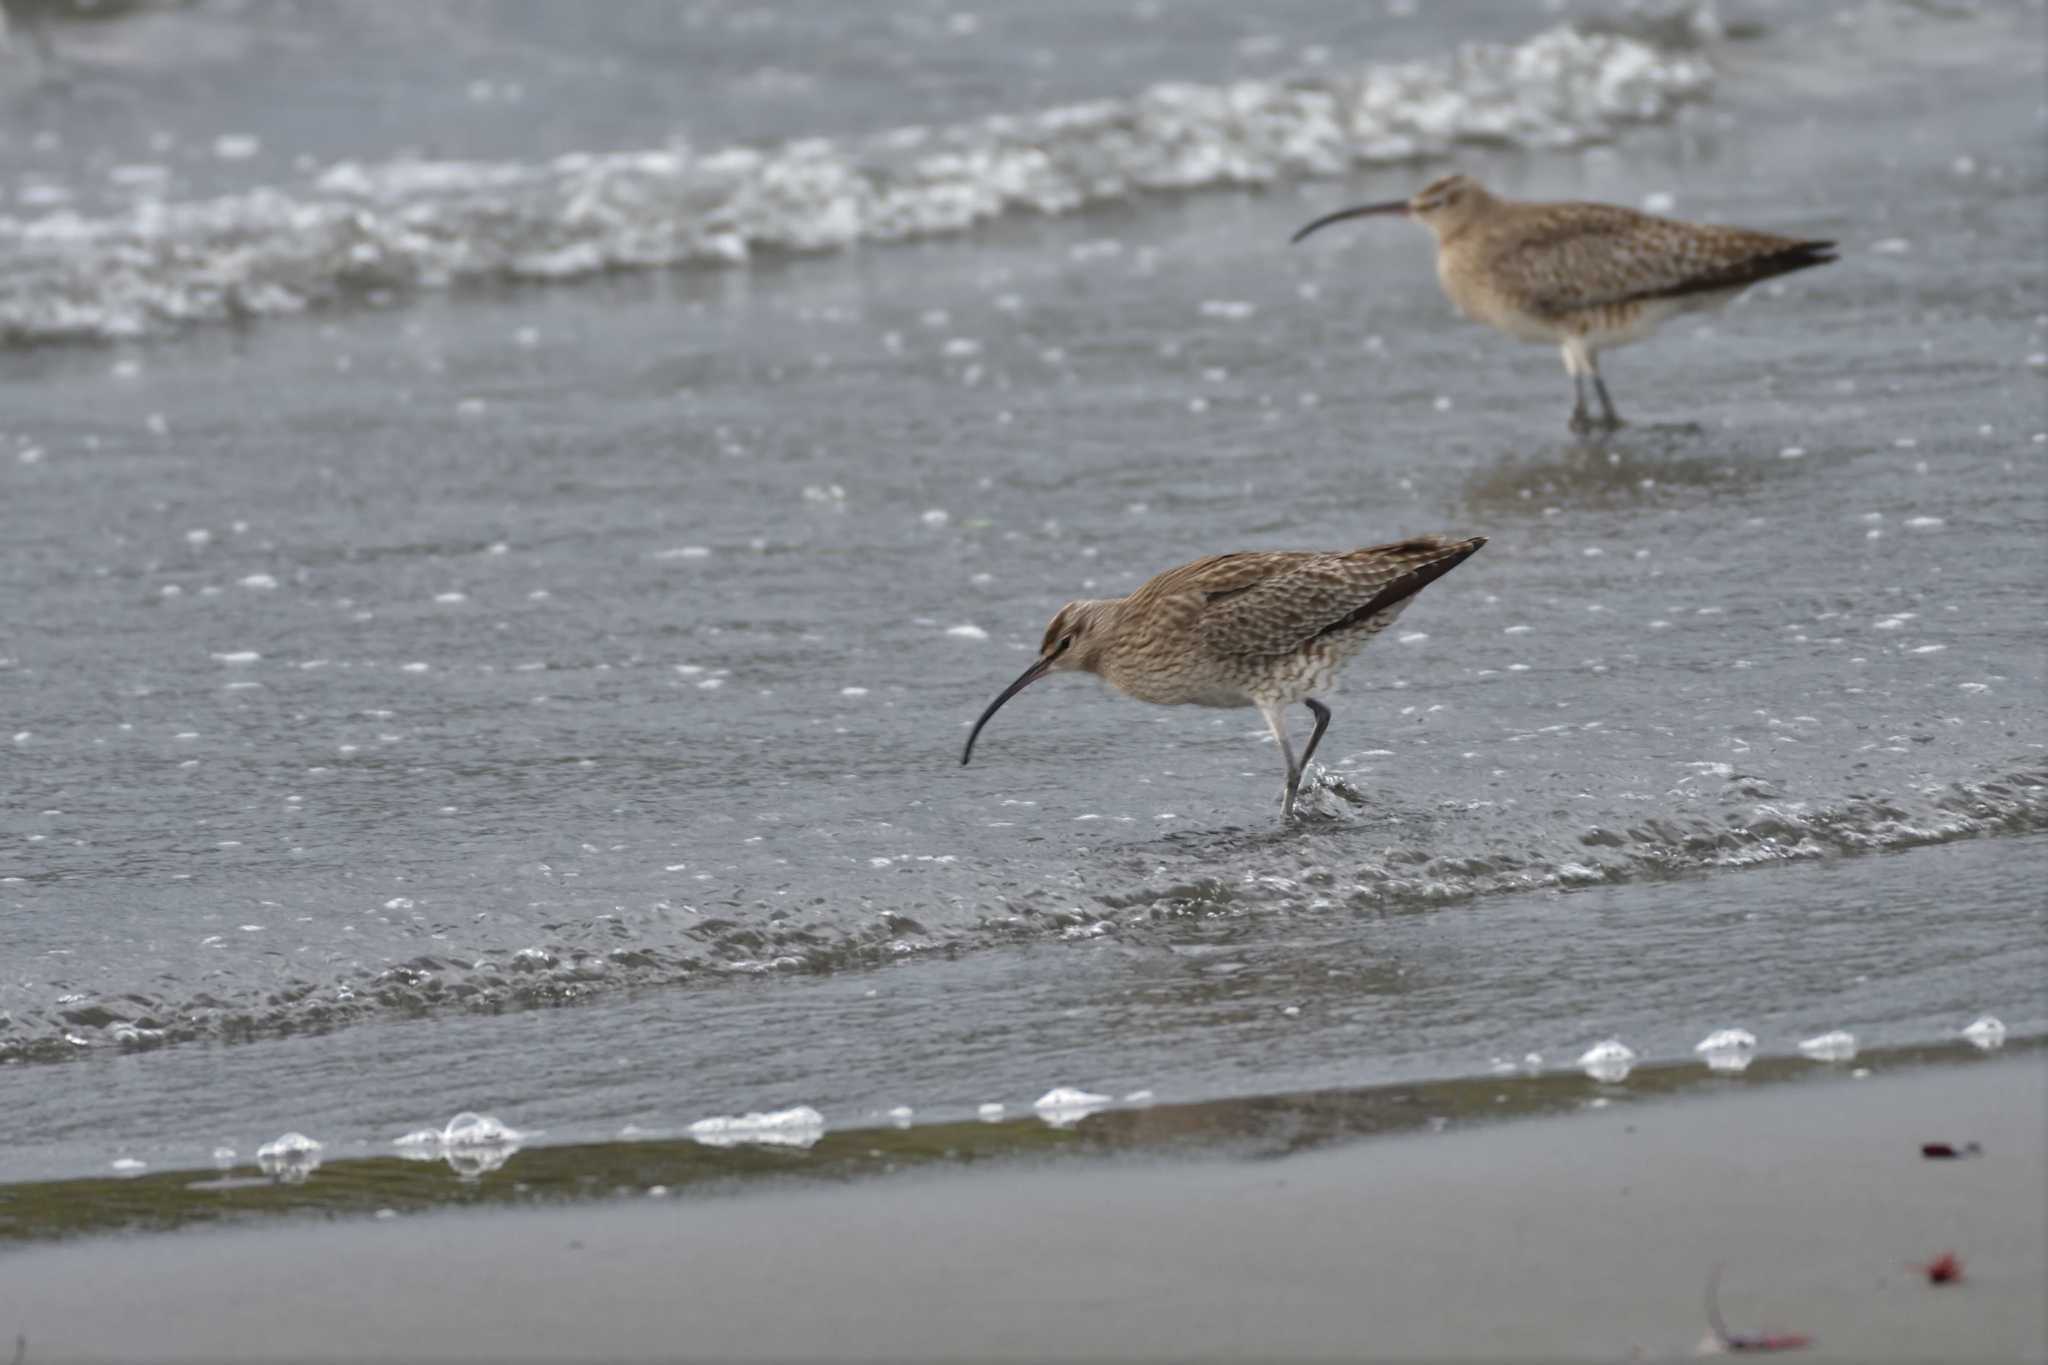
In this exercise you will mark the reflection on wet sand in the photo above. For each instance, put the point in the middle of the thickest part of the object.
(1617, 469)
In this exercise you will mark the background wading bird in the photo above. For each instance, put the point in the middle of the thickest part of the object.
(1264, 628)
(1583, 277)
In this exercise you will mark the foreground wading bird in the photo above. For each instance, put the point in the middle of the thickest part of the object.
(1583, 277)
(1265, 628)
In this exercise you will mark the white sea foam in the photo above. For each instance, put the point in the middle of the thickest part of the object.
(291, 1144)
(417, 224)
(1986, 1032)
(1836, 1046)
(290, 1158)
(466, 1129)
(1610, 1060)
(798, 1126)
(1726, 1040)
(471, 1143)
(1728, 1049)
(1064, 1105)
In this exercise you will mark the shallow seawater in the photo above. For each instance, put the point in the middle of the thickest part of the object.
(378, 678)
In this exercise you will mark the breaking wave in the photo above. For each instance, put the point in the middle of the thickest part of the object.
(384, 229)
(1447, 856)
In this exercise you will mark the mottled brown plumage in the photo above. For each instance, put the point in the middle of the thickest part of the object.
(1584, 277)
(1262, 628)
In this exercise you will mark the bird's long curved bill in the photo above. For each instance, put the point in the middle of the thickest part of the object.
(1031, 675)
(1363, 210)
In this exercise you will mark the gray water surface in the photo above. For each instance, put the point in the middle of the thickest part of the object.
(373, 676)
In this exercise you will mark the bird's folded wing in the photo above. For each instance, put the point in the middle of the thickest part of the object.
(1281, 612)
(1615, 256)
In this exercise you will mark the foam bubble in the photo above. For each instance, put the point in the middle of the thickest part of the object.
(1610, 1060)
(1986, 1032)
(466, 1129)
(1728, 1049)
(471, 1143)
(1839, 1045)
(1065, 1104)
(1724, 1040)
(798, 1126)
(290, 1158)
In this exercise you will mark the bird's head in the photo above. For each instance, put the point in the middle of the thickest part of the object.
(1443, 206)
(1074, 641)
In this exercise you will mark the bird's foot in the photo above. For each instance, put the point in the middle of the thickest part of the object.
(1342, 790)
(1308, 804)
(1580, 423)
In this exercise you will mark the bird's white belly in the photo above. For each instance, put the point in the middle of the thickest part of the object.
(1217, 696)
(1525, 327)
(1619, 327)
(1180, 689)
(1313, 671)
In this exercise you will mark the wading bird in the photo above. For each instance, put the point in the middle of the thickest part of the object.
(1583, 277)
(1264, 628)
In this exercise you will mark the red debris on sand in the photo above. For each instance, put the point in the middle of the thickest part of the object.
(1946, 1268)
(1769, 1341)
(1937, 1151)
(1746, 1341)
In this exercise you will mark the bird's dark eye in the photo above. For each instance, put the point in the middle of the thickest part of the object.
(1065, 640)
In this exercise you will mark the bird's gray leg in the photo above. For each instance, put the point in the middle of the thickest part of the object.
(1609, 418)
(1574, 365)
(1276, 721)
(1322, 724)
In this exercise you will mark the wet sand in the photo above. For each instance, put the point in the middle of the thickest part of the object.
(1588, 1236)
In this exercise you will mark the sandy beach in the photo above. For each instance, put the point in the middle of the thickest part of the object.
(1582, 1237)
